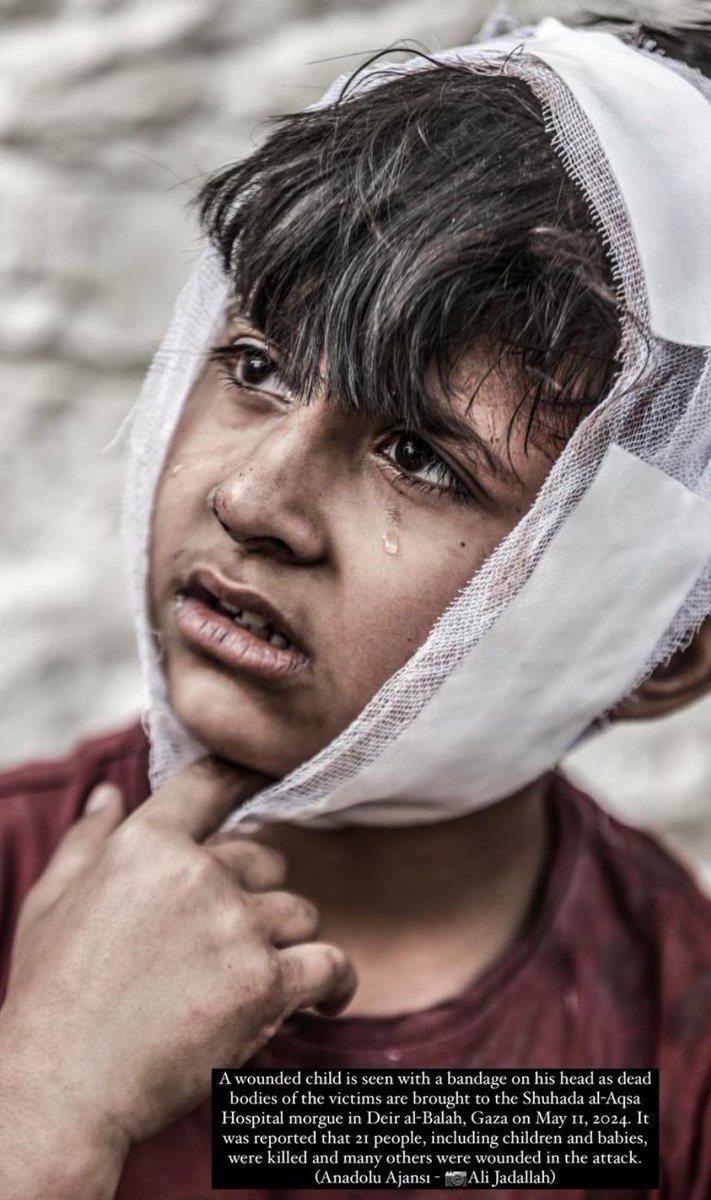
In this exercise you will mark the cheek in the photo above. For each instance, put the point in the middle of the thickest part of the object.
(181, 502)
(172, 511)
(179, 510)
(392, 600)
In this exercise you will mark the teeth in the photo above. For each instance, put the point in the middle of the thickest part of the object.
(229, 608)
(278, 640)
(258, 627)
(252, 621)
(256, 624)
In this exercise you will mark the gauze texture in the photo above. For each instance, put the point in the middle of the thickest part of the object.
(657, 413)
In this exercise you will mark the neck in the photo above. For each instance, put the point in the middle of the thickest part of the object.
(421, 910)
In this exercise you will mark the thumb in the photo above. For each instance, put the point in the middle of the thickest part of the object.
(103, 811)
(105, 798)
(200, 797)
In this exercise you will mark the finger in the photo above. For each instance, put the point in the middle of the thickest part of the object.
(201, 796)
(258, 868)
(286, 918)
(317, 975)
(103, 812)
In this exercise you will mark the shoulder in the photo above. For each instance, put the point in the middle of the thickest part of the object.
(643, 925)
(55, 789)
(106, 751)
(648, 923)
(641, 882)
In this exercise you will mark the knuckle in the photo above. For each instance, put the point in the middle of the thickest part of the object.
(202, 871)
(306, 912)
(339, 963)
(262, 861)
(242, 850)
(267, 978)
(296, 910)
(270, 856)
(290, 978)
(335, 963)
(272, 972)
(232, 920)
(271, 1029)
(222, 838)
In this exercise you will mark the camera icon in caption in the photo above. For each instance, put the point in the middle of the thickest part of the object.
(455, 1179)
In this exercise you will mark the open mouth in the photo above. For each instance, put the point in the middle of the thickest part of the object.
(236, 626)
(246, 618)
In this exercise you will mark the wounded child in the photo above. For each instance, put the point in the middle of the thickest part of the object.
(419, 494)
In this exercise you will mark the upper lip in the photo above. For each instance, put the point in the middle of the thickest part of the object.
(206, 579)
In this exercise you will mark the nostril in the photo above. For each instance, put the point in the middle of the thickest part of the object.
(268, 545)
(212, 503)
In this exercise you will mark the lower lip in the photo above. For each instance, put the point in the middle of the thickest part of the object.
(216, 635)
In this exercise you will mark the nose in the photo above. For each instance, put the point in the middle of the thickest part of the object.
(272, 503)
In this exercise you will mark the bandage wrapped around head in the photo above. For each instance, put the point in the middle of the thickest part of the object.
(609, 572)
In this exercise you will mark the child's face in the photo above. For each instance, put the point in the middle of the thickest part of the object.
(357, 534)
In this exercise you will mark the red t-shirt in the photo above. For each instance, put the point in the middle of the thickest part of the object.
(612, 970)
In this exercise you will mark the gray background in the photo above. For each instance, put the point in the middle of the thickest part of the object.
(110, 113)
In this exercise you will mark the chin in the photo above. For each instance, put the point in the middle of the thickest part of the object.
(235, 724)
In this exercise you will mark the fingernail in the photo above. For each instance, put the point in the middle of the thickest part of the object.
(100, 797)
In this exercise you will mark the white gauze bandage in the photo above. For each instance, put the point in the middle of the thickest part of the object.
(609, 572)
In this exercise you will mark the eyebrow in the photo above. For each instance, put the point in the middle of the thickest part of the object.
(235, 312)
(446, 423)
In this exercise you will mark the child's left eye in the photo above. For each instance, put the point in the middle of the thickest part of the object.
(419, 465)
(248, 364)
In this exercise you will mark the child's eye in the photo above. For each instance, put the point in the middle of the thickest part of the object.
(419, 465)
(248, 364)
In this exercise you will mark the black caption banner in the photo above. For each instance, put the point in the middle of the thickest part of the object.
(435, 1128)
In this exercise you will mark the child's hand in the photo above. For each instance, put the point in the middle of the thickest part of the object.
(145, 956)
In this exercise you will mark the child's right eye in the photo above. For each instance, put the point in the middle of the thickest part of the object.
(248, 364)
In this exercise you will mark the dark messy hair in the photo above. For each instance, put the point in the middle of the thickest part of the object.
(379, 239)
(687, 41)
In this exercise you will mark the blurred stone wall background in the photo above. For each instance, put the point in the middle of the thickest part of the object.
(110, 113)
